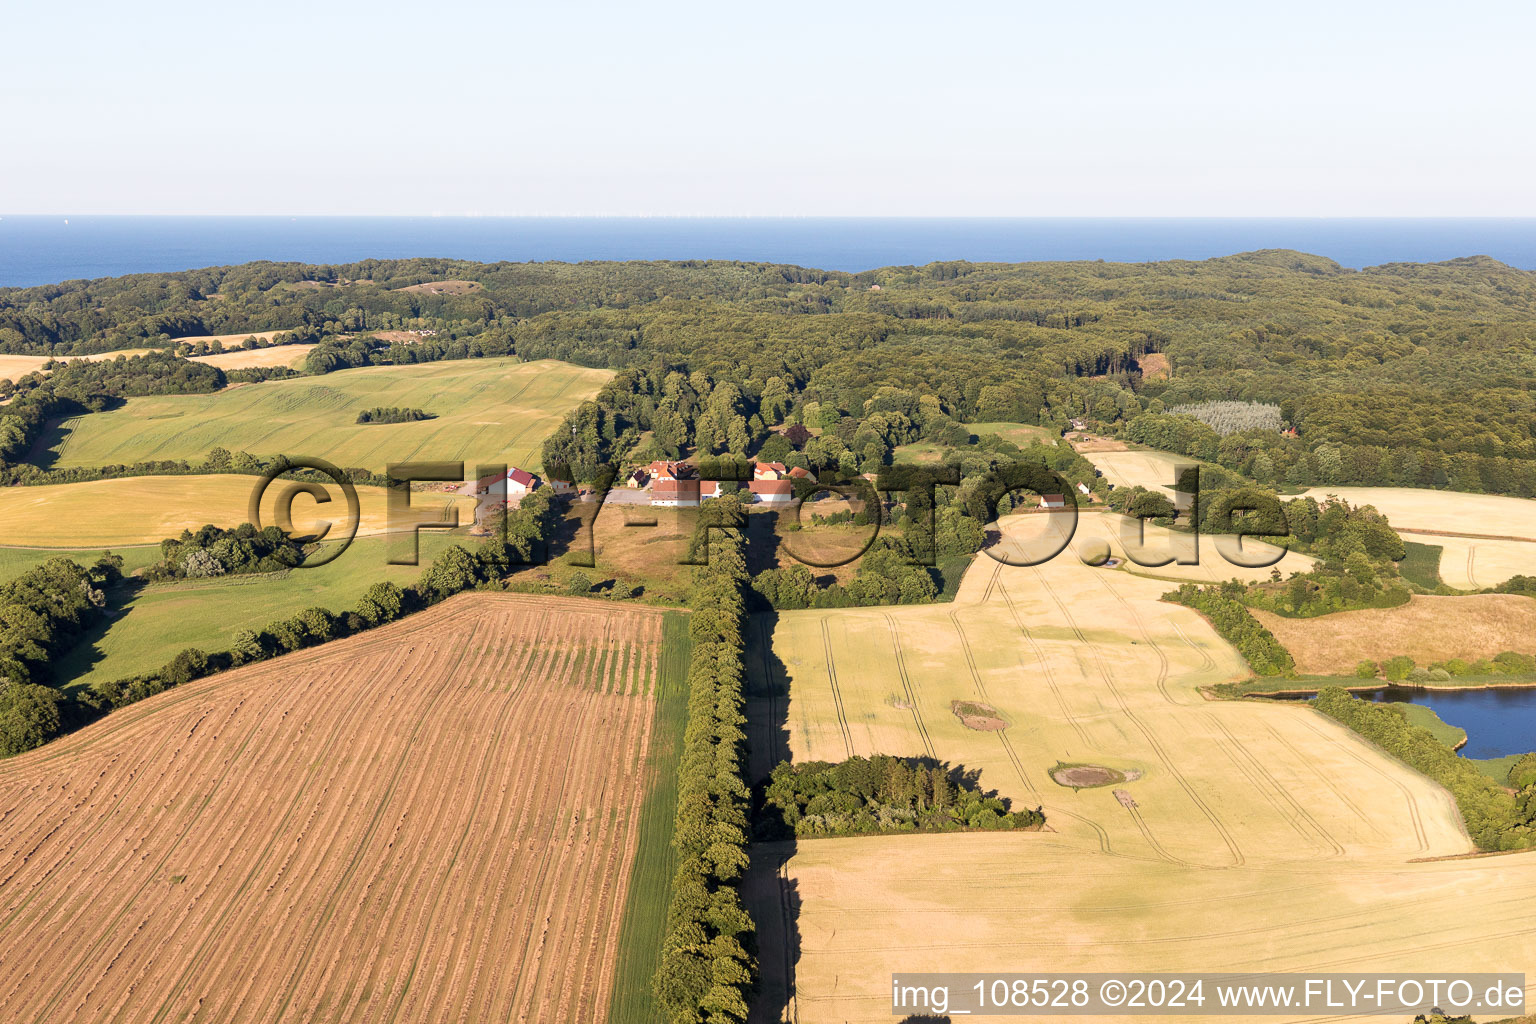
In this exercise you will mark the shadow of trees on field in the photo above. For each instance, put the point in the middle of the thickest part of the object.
(774, 902)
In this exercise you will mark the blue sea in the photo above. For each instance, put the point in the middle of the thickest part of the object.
(43, 250)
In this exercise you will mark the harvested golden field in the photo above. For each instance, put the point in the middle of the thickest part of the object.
(1453, 512)
(1487, 537)
(16, 367)
(291, 356)
(1255, 835)
(147, 509)
(230, 340)
(434, 821)
(1056, 903)
(1469, 563)
(1032, 536)
(1426, 629)
(1154, 470)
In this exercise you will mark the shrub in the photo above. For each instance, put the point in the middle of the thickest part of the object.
(1366, 670)
(1397, 668)
(29, 716)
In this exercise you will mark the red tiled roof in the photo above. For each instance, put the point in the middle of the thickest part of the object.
(520, 476)
(675, 489)
(772, 487)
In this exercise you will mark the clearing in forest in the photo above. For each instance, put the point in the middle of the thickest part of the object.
(432, 821)
(1154, 470)
(291, 356)
(1249, 835)
(487, 411)
(1426, 629)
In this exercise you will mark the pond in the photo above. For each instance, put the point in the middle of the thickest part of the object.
(1499, 722)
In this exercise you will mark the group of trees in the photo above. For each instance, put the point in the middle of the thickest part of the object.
(1227, 417)
(43, 613)
(214, 551)
(393, 414)
(1231, 618)
(1496, 818)
(708, 967)
(877, 795)
(1401, 668)
(343, 352)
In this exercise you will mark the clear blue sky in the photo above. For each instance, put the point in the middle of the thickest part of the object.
(1025, 109)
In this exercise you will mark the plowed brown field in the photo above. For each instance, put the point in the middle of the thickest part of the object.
(434, 821)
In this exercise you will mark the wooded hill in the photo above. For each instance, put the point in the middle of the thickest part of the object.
(1400, 374)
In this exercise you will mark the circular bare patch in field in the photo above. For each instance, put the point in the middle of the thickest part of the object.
(1086, 776)
(973, 714)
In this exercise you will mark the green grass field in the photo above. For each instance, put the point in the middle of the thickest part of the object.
(15, 561)
(1021, 434)
(1425, 718)
(487, 410)
(161, 620)
(1496, 768)
(1421, 564)
(650, 879)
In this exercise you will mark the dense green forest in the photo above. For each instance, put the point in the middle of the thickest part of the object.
(1399, 374)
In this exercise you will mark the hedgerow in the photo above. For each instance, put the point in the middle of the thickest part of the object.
(708, 968)
(1236, 624)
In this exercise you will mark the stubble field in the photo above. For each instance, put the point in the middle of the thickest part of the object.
(1154, 470)
(433, 821)
(1035, 536)
(1256, 836)
(291, 356)
(1487, 537)
(147, 509)
(14, 367)
(1427, 629)
(487, 411)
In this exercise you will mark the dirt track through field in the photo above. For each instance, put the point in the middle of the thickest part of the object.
(433, 821)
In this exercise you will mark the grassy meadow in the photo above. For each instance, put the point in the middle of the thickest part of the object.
(160, 620)
(16, 560)
(650, 878)
(487, 410)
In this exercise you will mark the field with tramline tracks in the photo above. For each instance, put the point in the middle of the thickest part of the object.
(432, 821)
(1300, 833)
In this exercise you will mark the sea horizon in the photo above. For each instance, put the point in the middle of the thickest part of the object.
(39, 249)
